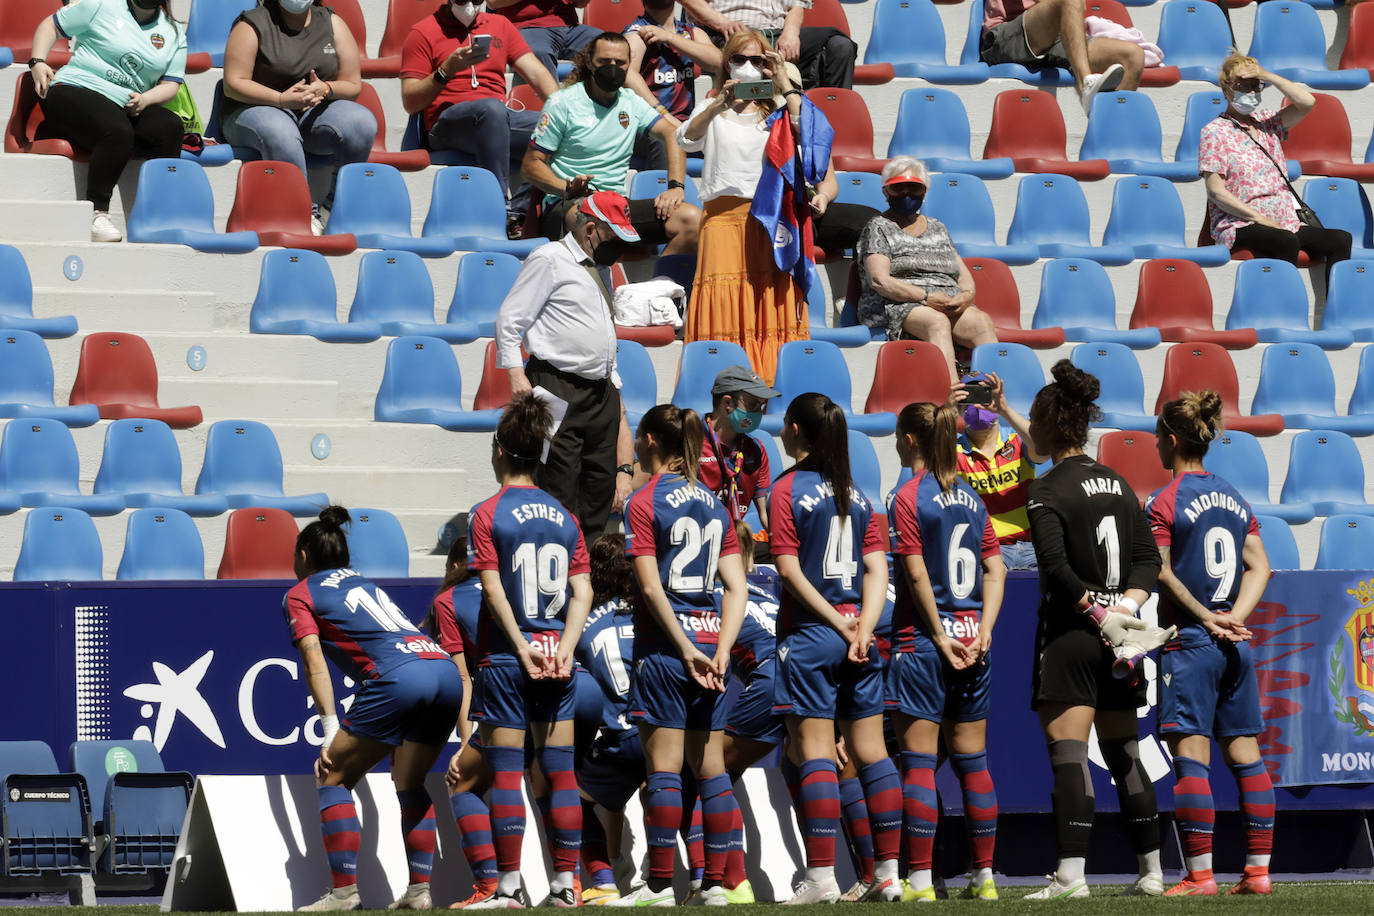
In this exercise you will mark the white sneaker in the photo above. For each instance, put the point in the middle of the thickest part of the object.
(340, 898)
(856, 893)
(1146, 886)
(642, 896)
(103, 228)
(1106, 81)
(1057, 891)
(416, 897)
(708, 896)
(815, 892)
(316, 222)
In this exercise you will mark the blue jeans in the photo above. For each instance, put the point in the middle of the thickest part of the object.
(489, 132)
(341, 131)
(1019, 555)
(551, 45)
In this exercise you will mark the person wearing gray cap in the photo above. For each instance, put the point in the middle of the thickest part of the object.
(733, 464)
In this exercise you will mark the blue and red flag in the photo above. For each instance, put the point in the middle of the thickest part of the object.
(790, 162)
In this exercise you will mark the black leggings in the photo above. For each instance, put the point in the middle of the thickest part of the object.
(113, 136)
(1329, 245)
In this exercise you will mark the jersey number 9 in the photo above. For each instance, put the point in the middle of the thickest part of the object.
(1219, 553)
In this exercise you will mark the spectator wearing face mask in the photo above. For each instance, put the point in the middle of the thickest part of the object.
(549, 27)
(664, 53)
(733, 464)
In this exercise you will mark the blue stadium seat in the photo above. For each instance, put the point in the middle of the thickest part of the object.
(484, 279)
(817, 365)
(1044, 77)
(142, 465)
(1124, 129)
(377, 545)
(1350, 299)
(865, 469)
(372, 203)
(909, 35)
(1205, 106)
(1270, 297)
(1076, 294)
(1052, 215)
(297, 295)
(962, 203)
(38, 461)
(932, 125)
(775, 467)
(1017, 367)
(60, 545)
(26, 382)
(243, 464)
(467, 212)
(161, 543)
(1123, 387)
(138, 807)
(1341, 204)
(1325, 469)
(1296, 380)
(208, 25)
(701, 361)
(16, 299)
(1238, 458)
(649, 183)
(841, 335)
(45, 814)
(1279, 544)
(422, 384)
(638, 380)
(1194, 37)
(1147, 217)
(414, 138)
(395, 293)
(1362, 398)
(175, 206)
(1346, 542)
(1289, 38)
(864, 188)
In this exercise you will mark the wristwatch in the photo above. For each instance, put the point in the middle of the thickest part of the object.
(36, 60)
(674, 184)
(626, 469)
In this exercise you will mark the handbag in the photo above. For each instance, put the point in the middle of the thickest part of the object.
(1305, 214)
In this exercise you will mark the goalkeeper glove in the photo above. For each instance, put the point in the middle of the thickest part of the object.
(1136, 646)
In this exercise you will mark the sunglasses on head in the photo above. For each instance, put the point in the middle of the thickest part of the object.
(739, 60)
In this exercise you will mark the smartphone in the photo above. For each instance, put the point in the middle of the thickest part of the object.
(979, 394)
(483, 45)
(753, 90)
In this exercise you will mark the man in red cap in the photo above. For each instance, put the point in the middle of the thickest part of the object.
(560, 308)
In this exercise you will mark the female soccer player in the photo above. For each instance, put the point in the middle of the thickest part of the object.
(407, 706)
(950, 578)
(831, 558)
(681, 539)
(1203, 528)
(1098, 563)
(529, 554)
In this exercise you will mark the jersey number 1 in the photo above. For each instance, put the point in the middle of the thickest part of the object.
(542, 571)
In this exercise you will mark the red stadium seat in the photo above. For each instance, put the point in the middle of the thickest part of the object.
(612, 15)
(907, 371)
(1321, 142)
(1196, 366)
(996, 293)
(1173, 295)
(656, 336)
(1028, 128)
(401, 16)
(1117, 12)
(373, 67)
(527, 98)
(829, 13)
(259, 544)
(1359, 41)
(18, 21)
(273, 200)
(413, 160)
(117, 372)
(28, 131)
(848, 115)
(1134, 456)
(493, 391)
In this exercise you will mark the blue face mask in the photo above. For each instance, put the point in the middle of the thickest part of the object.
(744, 421)
(905, 206)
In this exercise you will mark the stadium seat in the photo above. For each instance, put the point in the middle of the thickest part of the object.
(414, 137)
(1325, 469)
(1202, 365)
(493, 389)
(272, 199)
(395, 293)
(1202, 107)
(1350, 299)
(1076, 295)
(817, 365)
(962, 203)
(1052, 214)
(44, 832)
(1147, 217)
(18, 21)
(161, 543)
(243, 464)
(28, 131)
(907, 371)
(932, 125)
(863, 188)
(16, 299)
(612, 15)
(1289, 38)
(1342, 204)
(852, 150)
(176, 207)
(372, 203)
(467, 212)
(997, 294)
(1321, 141)
(60, 544)
(296, 295)
(1238, 458)
(699, 364)
(1362, 398)
(410, 160)
(38, 461)
(908, 35)
(1164, 75)
(1270, 297)
(638, 380)
(117, 373)
(649, 183)
(207, 29)
(401, 17)
(377, 546)
(372, 68)
(1346, 542)
(1028, 127)
(864, 468)
(1047, 77)
(26, 382)
(1135, 457)
(1296, 380)
(1018, 369)
(142, 465)
(1195, 37)
(841, 335)
(484, 279)
(849, 312)
(138, 808)
(830, 14)
(1359, 41)
(1123, 387)
(258, 544)
(1172, 296)
(1124, 129)
(1279, 543)
(422, 384)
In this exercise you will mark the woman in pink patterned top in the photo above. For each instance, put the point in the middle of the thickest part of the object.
(1240, 156)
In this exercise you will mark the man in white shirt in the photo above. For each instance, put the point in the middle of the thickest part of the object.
(559, 307)
(824, 55)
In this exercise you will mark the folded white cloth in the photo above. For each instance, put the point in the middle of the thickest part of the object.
(648, 304)
(1099, 27)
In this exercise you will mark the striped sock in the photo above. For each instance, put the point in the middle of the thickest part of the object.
(820, 803)
(474, 826)
(663, 819)
(855, 809)
(507, 768)
(719, 811)
(342, 834)
(595, 857)
(1195, 815)
(417, 829)
(980, 805)
(694, 835)
(883, 789)
(919, 807)
(791, 777)
(1257, 804)
(565, 806)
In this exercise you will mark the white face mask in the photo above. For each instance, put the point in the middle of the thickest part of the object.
(295, 6)
(1246, 102)
(466, 13)
(745, 73)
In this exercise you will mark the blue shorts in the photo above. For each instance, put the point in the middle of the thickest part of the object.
(1210, 690)
(507, 698)
(816, 680)
(419, 701)
(752, 716)
(663, 694)
(921, 684)
(613, 769)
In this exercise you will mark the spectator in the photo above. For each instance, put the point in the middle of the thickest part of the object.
(733, 464)
(664, 52)
(824, 55)
(914, 283)
(290, 76)
(549, 27)
(130, 60)
(1050, 33)
(467, 111)
(1240, 157)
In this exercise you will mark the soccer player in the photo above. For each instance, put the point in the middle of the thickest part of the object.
(528, 551)
(681, 539)
(1206, 533)
(950, 578)
(407, 706)
(1098, 563)
(831, 556)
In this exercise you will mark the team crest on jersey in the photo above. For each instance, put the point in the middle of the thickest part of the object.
(1355, 707)
(1008, 450)
(158, 41)
(624, 119)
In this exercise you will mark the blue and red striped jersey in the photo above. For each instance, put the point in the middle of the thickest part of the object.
(758, 634)
(456, 611)
(606, 649)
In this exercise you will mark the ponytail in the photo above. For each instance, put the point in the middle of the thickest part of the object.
(1194, 419)
(678, 433)
(936, 431)
(324, 542)
(520, 433)
(822, 425)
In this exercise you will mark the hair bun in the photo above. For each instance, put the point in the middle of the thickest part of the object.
(335, 515)
(1078, 384)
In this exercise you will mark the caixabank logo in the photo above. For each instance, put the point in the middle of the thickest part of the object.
(1351, 680)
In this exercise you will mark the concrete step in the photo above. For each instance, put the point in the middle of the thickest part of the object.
(135, 311)
(261, 398)
(58, 219)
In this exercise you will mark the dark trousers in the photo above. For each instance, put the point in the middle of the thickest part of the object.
(827, 55)
(838, 229)
(1330, 245)
(113, 136)
(580, 470)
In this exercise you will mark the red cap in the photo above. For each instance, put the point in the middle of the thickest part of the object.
(904, 178)
(614, 210)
